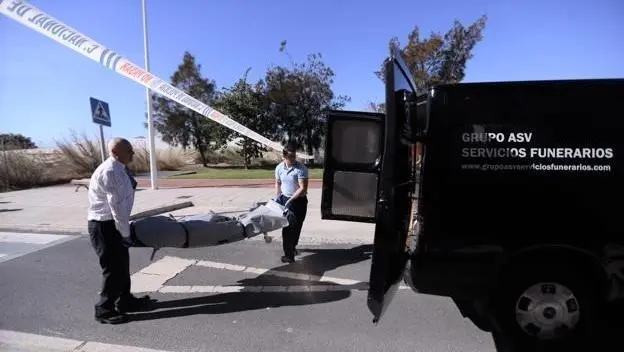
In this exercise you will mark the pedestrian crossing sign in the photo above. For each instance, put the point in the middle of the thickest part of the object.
(100, 112)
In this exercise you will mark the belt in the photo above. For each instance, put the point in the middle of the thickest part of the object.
(101, 221)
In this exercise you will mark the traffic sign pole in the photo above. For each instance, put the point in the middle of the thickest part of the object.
(103, 145)
(150, 122)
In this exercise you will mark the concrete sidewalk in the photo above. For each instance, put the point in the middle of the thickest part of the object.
(60, 209)
(198, 183)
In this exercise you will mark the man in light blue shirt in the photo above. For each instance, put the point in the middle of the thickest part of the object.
(291, 187)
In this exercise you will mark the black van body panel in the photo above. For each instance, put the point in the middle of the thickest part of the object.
(518, 166)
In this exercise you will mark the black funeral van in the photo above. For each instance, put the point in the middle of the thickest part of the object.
(504, 196)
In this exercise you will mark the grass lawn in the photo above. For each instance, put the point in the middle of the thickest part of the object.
(241, 174)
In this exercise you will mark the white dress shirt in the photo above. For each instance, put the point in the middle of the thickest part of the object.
(111, 195)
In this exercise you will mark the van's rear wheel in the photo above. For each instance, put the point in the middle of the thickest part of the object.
(547, 311)
(550, 307)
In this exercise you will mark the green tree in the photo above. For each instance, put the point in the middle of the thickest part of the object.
(299, 97)
(13, 141)
(438, 59)
(246, 104)
(179, 125)
(374, 107)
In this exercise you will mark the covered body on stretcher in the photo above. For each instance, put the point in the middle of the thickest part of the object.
(206, 229)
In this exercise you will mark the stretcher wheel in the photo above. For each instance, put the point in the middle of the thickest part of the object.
(267, 238)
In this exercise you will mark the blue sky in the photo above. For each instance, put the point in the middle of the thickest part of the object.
(45, 86)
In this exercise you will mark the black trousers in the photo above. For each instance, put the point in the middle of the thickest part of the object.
(115, 263)
(298, 209)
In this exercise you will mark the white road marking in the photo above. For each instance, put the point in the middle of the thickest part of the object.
(28, 243)
(295, 289)
(363, 286)
(21, 341)
(277, 273)
(317, 239)
(30, 238)
(154, 277)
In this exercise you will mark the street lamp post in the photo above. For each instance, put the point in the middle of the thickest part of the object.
(148, 94)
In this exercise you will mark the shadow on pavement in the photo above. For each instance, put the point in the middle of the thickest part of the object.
(319, 262)
(324, 260)
(237, 302)
(8, 210)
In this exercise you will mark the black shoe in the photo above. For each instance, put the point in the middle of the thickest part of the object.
(112, 318)
(135, 304)
(286, 259)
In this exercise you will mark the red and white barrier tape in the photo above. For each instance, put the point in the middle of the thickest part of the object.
(30, 16)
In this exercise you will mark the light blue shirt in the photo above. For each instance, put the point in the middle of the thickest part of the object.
(289, 177)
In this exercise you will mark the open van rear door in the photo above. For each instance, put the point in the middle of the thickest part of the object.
(369, 177)
(352, 160)
(404, 127)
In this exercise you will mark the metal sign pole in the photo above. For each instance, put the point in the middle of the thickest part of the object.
(150, 122)
(103, 145)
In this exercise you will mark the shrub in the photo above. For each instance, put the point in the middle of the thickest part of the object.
(20, 169)
(75, 157)
(81, 155)
(167, 160)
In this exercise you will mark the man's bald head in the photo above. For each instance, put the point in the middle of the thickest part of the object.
(121, 149)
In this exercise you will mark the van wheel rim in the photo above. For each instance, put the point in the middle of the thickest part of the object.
(547, 311)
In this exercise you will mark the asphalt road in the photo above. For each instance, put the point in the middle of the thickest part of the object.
(51, 291)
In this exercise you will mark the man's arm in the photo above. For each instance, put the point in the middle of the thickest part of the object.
(303, 187)
(278, 184)
(302, 180)
(117, 195)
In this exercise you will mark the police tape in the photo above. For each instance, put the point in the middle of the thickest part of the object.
(35, 19)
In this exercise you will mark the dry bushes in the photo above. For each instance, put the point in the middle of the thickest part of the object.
(82, 156)
(22, 169)
(166, 160)
(19, 170)
(75, 157)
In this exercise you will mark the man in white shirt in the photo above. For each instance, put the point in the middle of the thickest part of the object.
(111, 197)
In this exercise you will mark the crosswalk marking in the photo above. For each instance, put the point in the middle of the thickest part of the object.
(16, 244)
(30, 238)
(277, 273)
(154, 277)
(361, 286)
(21, 341)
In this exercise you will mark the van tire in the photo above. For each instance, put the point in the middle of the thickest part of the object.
(545, 294)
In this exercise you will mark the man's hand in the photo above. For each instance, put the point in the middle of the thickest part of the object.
(127, 242)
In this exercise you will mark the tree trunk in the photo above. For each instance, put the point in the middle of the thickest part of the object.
(309, 148)
(202, 155)
(245, 153)
(199, 142)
